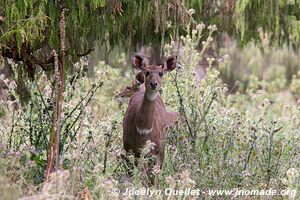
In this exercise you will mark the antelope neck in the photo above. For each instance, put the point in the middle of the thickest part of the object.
(145, 117)
(151, 95)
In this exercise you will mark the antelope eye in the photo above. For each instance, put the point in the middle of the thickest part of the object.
(128, 87)
(160, 73)
(147, 73)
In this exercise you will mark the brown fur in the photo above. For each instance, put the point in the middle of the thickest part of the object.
(141, 112)
(128, 91)
(147, 114)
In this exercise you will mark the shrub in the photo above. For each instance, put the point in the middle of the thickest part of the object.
(224, 140)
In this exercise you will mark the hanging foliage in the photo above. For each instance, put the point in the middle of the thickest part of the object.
(245, 19)
(30, 28)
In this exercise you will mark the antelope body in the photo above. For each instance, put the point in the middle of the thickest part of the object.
(146, 117)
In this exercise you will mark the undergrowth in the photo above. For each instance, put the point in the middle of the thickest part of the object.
(248, 139)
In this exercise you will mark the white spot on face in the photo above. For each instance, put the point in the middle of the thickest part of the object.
(144, 131)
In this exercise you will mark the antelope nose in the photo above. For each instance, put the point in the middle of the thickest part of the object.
(153, 85)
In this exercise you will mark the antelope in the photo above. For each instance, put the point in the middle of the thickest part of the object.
(146, 117)
(138, 85)
(135, 86)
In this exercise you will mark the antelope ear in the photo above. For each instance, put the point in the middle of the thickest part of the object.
(138, 61)
(140, 77)
(170, 63)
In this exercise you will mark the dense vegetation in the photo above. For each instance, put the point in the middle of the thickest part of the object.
(240, 124)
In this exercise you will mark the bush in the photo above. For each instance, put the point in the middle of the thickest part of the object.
(242, 140)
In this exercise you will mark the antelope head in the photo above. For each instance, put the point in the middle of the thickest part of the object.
(153, 73)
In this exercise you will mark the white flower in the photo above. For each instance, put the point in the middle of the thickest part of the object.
(194, 32)
(148, 147)
(156, 169)
(226, 57)
(191, 11)
(292, 172)
(167, 46)
(47, 91)
(171, 181)
(10, 61)
(12, 85)
(76, 65)
(169, 24)
(200, 26)
(210, 39)
(88, 110)
(210, 60)
(188, 39)
(246, 173)
(212, 28)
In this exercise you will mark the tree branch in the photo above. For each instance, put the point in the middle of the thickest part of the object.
(85, 53)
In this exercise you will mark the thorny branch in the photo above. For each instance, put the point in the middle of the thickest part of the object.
(182, 108)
